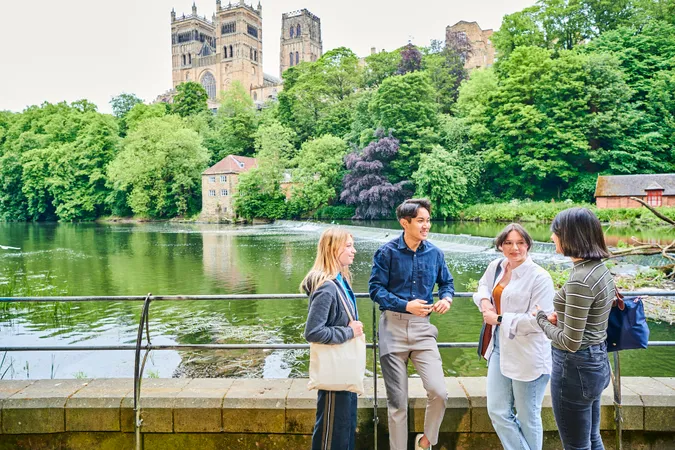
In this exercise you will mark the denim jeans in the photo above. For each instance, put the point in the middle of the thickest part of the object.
(524, 430)
(577, 382)
(335, 427)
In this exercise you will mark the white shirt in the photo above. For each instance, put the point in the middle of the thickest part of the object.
(525, 351)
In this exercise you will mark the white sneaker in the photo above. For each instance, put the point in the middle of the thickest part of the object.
(417, 443)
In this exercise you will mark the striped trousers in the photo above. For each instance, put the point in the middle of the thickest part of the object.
(335, 427)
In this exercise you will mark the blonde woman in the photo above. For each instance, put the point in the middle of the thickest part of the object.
(328, 323)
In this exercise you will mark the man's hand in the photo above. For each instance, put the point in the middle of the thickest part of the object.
(490, 317)
(486, 305)
(357, 327)
(442, 306)
(419, 307)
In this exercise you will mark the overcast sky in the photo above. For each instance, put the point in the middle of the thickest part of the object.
(56, 50)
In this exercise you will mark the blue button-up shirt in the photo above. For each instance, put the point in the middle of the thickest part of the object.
(400, 275)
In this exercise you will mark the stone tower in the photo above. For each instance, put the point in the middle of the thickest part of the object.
(300, 38)
(219, 51)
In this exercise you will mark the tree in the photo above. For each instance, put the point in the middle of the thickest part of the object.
(380, 66)
(405, 105)
(520, 29)
(159, 168)
(259, 192)
(440, 178)
(234, 125)
(121, 105)
(319, 172)
(411, 60)
(366, 185)
(140, 112)
(191, 98)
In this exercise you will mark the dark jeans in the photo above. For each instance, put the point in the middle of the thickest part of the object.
(577, 381)
(335, 427)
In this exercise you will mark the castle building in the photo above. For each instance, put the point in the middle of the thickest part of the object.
(300, 39)
(482, 51)
(229, 48)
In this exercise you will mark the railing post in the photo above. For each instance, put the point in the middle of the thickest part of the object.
(375, 418)
(138, 369)
(616, 384)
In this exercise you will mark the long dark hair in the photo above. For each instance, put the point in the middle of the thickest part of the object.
(580, 234)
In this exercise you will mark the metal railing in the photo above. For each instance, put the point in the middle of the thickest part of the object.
(148, 346)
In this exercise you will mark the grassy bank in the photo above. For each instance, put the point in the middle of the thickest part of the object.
(528, 211)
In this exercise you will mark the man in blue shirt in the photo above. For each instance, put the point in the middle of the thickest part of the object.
(405, 271)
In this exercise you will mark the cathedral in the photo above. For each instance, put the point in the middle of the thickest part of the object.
(229, 48)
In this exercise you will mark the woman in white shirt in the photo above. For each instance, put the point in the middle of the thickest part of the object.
(518, 352)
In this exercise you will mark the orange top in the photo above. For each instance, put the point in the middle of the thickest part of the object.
(497, 296)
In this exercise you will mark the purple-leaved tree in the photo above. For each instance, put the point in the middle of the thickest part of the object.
(411, 60)
(366, 185)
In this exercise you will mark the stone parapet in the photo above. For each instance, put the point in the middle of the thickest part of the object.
(278, 414)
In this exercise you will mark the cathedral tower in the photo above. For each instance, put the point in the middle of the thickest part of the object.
(300, 38)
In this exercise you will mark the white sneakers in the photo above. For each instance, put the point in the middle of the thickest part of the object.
(417, 443)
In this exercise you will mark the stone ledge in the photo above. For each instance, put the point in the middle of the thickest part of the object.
(277, 406)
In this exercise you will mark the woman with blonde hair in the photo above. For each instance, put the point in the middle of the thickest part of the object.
(328, 285)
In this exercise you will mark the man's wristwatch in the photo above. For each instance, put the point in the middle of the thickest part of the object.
(499, 320)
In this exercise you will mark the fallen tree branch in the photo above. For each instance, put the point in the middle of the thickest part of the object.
(656, 213)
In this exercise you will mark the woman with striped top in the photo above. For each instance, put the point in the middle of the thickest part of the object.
(578, 329)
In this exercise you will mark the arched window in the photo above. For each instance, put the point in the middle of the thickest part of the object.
(255, 55)
(225, 51)
(189, 58)
(297, 58)
(209, 83)
(231, 52)
(297, 32)
(183, 59)
(291, 56)
(292, 29)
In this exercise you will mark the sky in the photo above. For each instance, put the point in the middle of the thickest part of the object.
(84, 49)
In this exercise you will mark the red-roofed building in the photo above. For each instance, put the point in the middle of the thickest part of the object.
(615, 191)
(219, 183)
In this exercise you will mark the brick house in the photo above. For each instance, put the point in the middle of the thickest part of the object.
(614, 191)
(219, 183)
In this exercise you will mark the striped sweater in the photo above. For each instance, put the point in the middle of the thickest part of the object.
(583, 306)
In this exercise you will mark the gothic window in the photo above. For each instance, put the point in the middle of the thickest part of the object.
(189, 58)
(253, 31)
(231, 52)
(292, 30)
(297, 58)
(225, 51)
(255, 55)
(228, 28)
(250, 50)
(297, 32)
(209, 83)
(183, 59)
(291, 56)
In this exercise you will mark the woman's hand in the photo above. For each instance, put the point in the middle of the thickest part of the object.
(490, 317)
(357, 327)
(553, 317)
(486, 305)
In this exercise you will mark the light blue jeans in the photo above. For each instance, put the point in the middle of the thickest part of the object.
(521, 431)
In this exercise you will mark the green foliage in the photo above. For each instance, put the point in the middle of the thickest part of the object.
(121, 105)
(234, 126)
(318, 175)
(190, 99)
(380, 66)
(405, 105)
(338, 212)
(159, 168)
(441, 179)
(140, 112)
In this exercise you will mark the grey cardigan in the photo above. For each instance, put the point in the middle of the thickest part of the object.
(327, 321)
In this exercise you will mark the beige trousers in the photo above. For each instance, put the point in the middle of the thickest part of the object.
(403, 337)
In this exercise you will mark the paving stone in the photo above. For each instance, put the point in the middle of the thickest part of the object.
(96, 407)
(157, 399)
(39, 407)
(198, 407)
(476, 392)
(9, 388)
(658, 399)
(256, 406)
(300, 408)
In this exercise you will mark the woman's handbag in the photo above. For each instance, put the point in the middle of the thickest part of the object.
(486, 331)
(338, 367)
(627, 327)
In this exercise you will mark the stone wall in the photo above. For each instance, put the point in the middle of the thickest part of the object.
(278, 414)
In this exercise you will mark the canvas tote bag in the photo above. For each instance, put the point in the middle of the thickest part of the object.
(338, 367)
